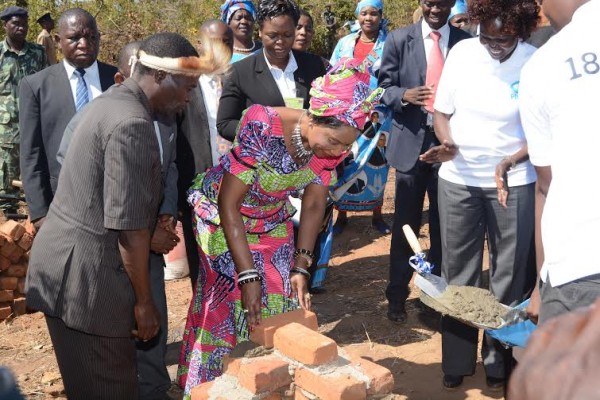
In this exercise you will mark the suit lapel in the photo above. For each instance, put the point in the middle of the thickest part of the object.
(300, 78)
(417, 50)
(266, 80)
(106, 79)
(63, 92)
(453, 38)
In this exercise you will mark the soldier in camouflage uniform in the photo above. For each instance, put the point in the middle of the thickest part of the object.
(17, 59)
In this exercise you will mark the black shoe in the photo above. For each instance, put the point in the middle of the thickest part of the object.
(396, 313)
(452, 381)
(495, 384)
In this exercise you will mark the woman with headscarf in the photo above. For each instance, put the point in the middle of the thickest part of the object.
(240, 16)
(365, 45)
(486, 183)
(249, 266)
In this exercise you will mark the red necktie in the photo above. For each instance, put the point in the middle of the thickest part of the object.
(435, 63)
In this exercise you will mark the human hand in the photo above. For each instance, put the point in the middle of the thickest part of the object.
(37, 224)
(163, 240)
(444, 152)
(168, 222)
(251, 298)
(418, 95)
(146, 320)
(561, 359)
(533, 309)
(300, 286)
(502, 181)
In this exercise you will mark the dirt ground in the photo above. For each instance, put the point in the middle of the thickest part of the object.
(352, 311)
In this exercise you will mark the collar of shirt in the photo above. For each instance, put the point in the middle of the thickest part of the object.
(5, 47)
(284, 79)
(91, 78)
(428, 41)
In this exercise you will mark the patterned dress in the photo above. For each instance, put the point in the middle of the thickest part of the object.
(260, 159)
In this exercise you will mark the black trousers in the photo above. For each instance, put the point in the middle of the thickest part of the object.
(94, 367)
(408, 209)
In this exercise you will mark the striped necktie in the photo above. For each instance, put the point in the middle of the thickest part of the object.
(81, 92)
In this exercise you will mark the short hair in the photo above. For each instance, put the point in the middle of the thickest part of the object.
(519, 17)
(268, 9)
(165, 44)
(76, 12)
(130, 49)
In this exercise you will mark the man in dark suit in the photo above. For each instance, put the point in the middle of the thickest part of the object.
(404, 67)
(88, 271)
(49, 99)
(251, 82)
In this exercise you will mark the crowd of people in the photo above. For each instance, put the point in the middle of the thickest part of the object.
(250, 142)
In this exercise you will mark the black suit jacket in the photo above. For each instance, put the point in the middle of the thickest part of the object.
(46, 106)
(404, 66)
(193, 144)
(250, 82)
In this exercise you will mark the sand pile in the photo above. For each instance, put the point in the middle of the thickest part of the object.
(469, 304)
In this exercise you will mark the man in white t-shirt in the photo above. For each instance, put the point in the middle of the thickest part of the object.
(559, 97)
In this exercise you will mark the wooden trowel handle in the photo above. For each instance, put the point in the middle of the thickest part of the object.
(412, 239)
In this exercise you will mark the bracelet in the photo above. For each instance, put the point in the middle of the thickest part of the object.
(308, 258)
(247, 271)
(298, 270)
(306, 254)
(249, 280)
(511, 160)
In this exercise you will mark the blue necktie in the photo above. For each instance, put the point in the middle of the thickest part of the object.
(81, 92)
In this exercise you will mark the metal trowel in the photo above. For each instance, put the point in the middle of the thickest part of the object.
(432, 285)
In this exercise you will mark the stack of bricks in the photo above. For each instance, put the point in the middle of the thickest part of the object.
(296, 362)
(15, 242)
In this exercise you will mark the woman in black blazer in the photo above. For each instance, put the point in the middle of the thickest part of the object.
(251, 80)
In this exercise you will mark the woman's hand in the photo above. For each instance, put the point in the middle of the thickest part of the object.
(251, 303)
(502, 181)
(533, 309)
(442, 153)
(300, 287)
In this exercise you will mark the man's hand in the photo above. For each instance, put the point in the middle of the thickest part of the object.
(163, 240)
(168, 222)
(146, 320)
(442, 153)
(418, 95)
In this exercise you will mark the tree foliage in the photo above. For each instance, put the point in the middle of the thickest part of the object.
(122, 21)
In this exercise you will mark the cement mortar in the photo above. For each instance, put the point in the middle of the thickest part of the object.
(468, 303)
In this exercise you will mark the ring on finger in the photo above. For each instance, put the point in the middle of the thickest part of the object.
(245, 311)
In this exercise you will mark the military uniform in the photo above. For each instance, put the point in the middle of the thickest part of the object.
(13, 67)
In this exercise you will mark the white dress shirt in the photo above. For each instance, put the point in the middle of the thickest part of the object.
(284, 79)
(91, 78)
(428, 41)
(211, 90)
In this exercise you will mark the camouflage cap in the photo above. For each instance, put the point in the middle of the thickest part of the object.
(13, 11)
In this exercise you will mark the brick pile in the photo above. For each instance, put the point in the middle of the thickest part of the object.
(295, 362)
(15, 243)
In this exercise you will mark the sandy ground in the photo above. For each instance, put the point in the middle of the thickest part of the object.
(352, 311)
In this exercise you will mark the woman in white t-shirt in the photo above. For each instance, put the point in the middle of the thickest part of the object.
(486, 183)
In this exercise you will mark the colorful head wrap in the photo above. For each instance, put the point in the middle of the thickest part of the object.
(460, 7)
(344, 93)
(378, 4)
(231, 6)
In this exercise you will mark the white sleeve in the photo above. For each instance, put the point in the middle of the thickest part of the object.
(534, 115)
(449, 82)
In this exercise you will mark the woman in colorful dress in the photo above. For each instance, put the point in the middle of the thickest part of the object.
(249, 267)
(366, 44)
(240, 16)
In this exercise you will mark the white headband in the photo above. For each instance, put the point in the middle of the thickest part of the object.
(181, 65)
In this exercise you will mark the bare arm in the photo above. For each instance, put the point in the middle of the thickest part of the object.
(134, 247)
(447, 150)
(502, 169)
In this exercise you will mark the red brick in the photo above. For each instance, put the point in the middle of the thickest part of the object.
(200, 392)
(305, 345)
(17, 270)
(26, 241)
(5, 311)
(263, 333)
(330, 386)
(8, 282)
(29, 228)
(12, 251)
(273, 396)
(4, 263)
(12, 229)
(231, 365)
(264, 374)
(300, 394)
(6, 295)
(3, 239)
(381, 380)
(21, 285)
(19, 307)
